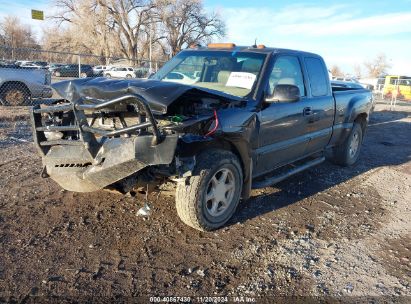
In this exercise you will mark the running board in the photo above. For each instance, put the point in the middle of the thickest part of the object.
(278, 178)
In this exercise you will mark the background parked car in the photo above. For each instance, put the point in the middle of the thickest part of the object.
(54, 66)
(141, 72)
(43, 64)
(20, 62)
(72, 70)
(31, 65)
(179, 78)
(120, 72)
(19, 85)
(345, 84)
(98, 70)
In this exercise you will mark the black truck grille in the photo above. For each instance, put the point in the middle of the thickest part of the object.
(66, 131)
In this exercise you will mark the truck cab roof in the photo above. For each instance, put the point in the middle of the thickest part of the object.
(255, 49)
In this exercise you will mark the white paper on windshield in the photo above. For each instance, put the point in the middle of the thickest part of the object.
(241, 80)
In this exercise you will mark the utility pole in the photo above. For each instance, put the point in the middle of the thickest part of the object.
(150, 47)
(79, 66)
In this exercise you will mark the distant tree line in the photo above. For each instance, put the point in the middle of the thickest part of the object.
(127, 28)
(371, 68)
(15, 34)
(119, 28)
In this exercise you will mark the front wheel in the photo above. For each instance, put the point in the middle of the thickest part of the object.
(108, 75)
(348, 152)
(209, 198)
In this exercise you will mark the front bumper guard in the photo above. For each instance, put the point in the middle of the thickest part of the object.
(88, 164)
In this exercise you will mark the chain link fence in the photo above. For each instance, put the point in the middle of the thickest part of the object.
(27, 73)
(15, 126)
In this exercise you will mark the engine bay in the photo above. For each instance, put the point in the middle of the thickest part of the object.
(193, 112)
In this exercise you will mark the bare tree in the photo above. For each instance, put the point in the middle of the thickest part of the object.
(130, 18)
(336, 70)
(129, 28)
(82, 26)
(184, 22)
(97, 24)
(15, 34)
(357, 71)
(378, 66)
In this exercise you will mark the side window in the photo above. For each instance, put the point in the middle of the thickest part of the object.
(287, 70)
(317, 76)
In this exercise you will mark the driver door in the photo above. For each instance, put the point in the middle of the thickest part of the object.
(283, 134)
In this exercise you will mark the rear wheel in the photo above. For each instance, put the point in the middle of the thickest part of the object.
(209, 198)
(83, 75)
(128, 76)
(14, 94)
(348, 152)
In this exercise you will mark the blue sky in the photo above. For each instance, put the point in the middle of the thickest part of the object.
(345, 33)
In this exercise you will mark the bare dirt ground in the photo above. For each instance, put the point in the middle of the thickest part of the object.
(330, 231)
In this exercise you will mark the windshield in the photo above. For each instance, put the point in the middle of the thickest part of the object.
(233, 73)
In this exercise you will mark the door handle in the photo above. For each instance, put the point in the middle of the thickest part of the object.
(307, 111)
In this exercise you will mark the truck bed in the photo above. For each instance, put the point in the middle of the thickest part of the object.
(345, 98)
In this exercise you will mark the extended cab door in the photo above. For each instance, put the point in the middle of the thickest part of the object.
(321, 104)
(283, 125)
(293, 130)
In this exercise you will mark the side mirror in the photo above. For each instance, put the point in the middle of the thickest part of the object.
(284, 93)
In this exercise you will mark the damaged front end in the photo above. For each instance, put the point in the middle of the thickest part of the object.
(89, 143)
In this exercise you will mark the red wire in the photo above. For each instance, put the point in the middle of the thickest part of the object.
(215, 126)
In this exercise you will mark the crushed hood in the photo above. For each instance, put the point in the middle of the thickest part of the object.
(159, 94)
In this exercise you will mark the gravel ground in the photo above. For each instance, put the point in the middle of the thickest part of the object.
(335, 232)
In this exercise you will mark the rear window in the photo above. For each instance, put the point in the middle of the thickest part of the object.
(317, 76)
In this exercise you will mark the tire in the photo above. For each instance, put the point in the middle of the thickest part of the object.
(108, 75)
(57, 74)
(348, 152)
(128, 76)
(83, 75)
(14, 94)
(217, 174)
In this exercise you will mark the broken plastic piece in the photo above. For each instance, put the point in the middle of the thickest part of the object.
(144, 211)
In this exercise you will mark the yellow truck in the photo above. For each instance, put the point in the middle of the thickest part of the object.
(398, 87)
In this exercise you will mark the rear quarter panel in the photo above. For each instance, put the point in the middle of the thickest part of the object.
(349, 105)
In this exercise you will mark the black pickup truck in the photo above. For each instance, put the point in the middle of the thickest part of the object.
(217, 120)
